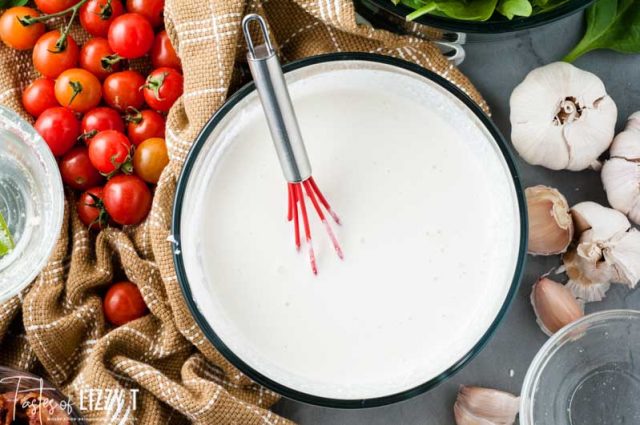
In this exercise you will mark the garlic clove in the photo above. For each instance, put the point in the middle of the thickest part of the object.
(623, 253)
(595, 222)
(627, 143)
(591, 135)
(621, 174)
(621, 181)
(561, 117)
(554, 305)
(485, 406)
(464, 417)
(606, 252)
(550, 224)
(589, 276)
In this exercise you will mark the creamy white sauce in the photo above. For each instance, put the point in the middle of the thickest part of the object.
(430, 235)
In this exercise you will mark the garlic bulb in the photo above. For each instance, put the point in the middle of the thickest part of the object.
(485, 406)
(554, 305)
(550, 224)
(608, 251)
(562, 118)
(621, 173)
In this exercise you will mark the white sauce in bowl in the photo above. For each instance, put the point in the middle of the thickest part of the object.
(430, 235)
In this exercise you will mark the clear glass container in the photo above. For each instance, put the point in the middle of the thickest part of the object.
(27, 396)
(31, 202)
(586, 374)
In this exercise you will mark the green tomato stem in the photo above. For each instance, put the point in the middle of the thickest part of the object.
(77, 89)
(30, 20)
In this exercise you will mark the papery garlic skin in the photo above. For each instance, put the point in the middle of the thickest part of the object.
(485, 406)
(621, 173)
(555, 305)
(608, 251)
(550, 224)
(562, 118)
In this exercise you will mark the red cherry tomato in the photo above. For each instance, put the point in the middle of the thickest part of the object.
(163, 87)
(131, 35)
(54, 6)
(78, 89)
(127, 199)
(97, 57)
(100, 119)
(123, 303)
(77, 171)
(163, 54)
(122, 90)
(60, 128)
(143, 125)
(97, 15)
(110, 151)
(39, 96)
(150, 9)
(91, 210)
(16, 35)
(51, 58)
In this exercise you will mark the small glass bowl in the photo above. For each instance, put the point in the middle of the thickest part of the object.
(31, 202)
(26, 392)
(588, 373)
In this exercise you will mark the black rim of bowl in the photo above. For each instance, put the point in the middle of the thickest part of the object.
(266, 381)
(491, 26)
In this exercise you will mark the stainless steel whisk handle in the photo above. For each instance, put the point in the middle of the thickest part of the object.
(276, 102)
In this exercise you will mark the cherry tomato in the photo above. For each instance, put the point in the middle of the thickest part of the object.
(127, 199)
(150, 158)
(110, 151)
(162, 88)
(50, 58)
(60, 128)
(100, 119)
(123, 303)
(78, 89)
(143, 125)
(77, 171)
(16, 35)
(150, 9)
(97, 57)
(91, 210)
(163, 54)
(122, 90)
(39, 96)
(97, 15)
(54, 6)
(131, 35)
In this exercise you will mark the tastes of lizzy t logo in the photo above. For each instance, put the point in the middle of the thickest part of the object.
(30, 400)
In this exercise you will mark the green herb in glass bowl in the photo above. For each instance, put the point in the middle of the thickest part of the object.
(478, 10)
(6, 241)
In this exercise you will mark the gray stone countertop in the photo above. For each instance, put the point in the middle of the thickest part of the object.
(496, 67)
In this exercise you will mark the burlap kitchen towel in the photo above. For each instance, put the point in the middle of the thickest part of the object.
(56, 328)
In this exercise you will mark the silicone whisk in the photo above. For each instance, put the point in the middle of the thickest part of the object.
(287, 140)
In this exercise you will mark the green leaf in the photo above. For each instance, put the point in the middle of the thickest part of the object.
(466, 10)
(6, 241)
(541, 6)
(4, 4)
(511, 8)
(611, 24)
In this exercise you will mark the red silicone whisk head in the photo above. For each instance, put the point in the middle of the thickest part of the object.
(297, 206)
